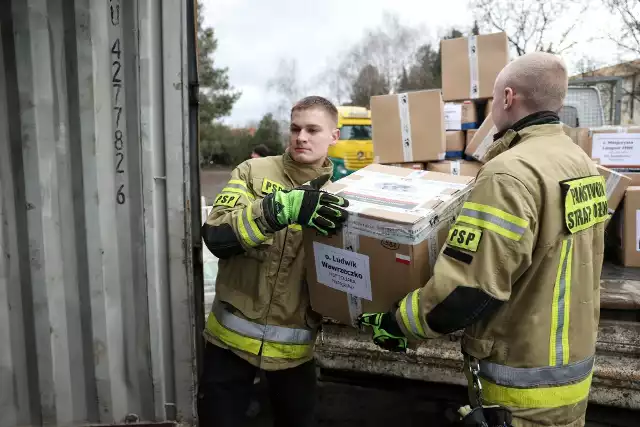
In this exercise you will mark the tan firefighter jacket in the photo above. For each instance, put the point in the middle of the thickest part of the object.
(528, 247)
(261, 309)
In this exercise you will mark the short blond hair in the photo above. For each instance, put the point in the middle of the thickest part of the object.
(317, 102)
(540, 78)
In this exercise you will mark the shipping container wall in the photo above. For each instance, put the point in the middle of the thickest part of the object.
(96, 281)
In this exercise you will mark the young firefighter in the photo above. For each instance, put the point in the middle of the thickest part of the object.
(261, 318)
(520, 272)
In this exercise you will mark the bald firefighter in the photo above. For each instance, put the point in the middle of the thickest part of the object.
(261, 318)
(520, 271)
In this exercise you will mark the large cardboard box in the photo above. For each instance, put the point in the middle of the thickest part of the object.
(455, 167)
(455, 144)
(482, 140)
(469, 136)
(460, 115)
(414, 166)
(470, 65)
(580, 136)
(398, 221)
(408, 127)
(630, 228)
(615, 147)
(617, 184)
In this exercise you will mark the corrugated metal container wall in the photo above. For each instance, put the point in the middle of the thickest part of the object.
(96, 280)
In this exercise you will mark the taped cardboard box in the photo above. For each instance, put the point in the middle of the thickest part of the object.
(408, 127)
(455, 167)
(615, 147)
(580, 136)
(414, 166)
(398, 222)
(482, 140)
(460, 115)
(617, 184)
(455, 144)
(470, 65)
(629, 228)
(469, 136)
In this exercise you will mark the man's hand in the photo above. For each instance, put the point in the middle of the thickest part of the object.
(308, 206)
(386, 332)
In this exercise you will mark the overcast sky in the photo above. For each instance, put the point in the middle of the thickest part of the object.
(254, 35)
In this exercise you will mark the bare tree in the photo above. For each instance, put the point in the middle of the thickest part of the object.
(627, 35)
(286, 85)
(531, 25)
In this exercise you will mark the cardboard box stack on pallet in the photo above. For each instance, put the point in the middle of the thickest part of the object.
(400, 213)
(617, 151)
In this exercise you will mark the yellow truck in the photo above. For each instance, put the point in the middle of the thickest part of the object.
(354, 149)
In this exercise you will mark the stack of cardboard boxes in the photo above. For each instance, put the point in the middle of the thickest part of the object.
(432, 129)
(401, 210)
(616, 150)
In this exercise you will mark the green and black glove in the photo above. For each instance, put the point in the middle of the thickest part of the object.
(307, 206)
(386, 332)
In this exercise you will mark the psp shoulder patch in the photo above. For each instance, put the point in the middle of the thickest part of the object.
(467, 238)
(269, 186)
(226, 199)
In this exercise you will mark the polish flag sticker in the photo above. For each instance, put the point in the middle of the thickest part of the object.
(404, 259)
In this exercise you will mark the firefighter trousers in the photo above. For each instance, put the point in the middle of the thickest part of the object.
(225, 390)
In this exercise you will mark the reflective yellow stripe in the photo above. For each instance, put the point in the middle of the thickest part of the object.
(232, 338)
(286, 351)
(253, 346)
(494, 219)
(238, 191)
(520, 222)
(296, 227)
(409, 311)
(238, 182)
(559, 336)
(253, 225)
(538, 397)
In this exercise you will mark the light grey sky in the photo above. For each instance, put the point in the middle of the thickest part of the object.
(254, 35)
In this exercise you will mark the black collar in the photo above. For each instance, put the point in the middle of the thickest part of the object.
(539, 118)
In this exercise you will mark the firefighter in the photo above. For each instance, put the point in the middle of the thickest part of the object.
(520, 270)
(261, 320)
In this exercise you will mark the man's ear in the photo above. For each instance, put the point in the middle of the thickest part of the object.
(335, 136)
(508, 97)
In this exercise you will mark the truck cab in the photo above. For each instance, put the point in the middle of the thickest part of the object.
(354, 149)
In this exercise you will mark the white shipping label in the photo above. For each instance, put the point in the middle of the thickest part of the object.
(455, 167)
(452, 116)
(343, 270)
(637, 230)
(616, 149)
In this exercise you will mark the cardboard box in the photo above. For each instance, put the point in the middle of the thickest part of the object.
(615, 147)
(408, 127)
(414, 166)
(580, 136)
(630, 228)
(617, 184)
(482, 140)
(488, 107)
(469, 136)
(455, 167)
(460, 115)
(455, 144)
(398, 222)
(470, 65)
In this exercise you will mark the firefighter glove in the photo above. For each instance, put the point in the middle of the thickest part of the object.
(306, 205)
(386, 332)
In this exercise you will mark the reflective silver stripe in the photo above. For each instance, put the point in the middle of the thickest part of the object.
(411, 315)
(271, 333)
(500, 222)
(533, 377)
(238, 186)
(247, 226)
(561, 304)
